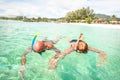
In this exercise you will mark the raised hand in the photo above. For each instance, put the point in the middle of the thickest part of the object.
(21, 71)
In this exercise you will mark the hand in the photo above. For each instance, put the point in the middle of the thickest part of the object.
(102, 59)
(53, 63)
(21, 71)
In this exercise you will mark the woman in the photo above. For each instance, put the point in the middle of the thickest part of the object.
(78, 46)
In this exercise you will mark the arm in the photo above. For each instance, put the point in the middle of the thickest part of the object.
(45, 38)
(23, 62)
(57, 39)
(102, 55)
(54, 60)
(23, 59)
(56, 50)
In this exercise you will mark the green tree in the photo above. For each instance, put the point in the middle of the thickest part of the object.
(45, 19)
(80, 14)
(113, 17)
(88, 20)
(19, 18)
(69, 17)
(39, 19)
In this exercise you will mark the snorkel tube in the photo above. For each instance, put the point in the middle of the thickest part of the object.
(33, 41)
(80, 38)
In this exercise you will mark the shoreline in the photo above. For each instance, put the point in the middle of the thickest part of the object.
(111, 26)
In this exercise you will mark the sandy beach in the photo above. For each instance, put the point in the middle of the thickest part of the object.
(112, 26)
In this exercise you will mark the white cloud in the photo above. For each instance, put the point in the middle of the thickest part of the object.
(19, 9)
(106, 6)
(58, 8)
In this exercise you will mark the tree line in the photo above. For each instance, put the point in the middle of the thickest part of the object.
(80, 15)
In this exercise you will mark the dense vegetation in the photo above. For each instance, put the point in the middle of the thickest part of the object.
(80, 14)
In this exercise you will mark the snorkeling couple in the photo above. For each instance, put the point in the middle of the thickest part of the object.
(78, 45)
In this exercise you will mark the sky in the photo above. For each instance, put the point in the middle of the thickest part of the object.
(56, 8)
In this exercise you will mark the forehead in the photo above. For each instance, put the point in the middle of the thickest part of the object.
(81, 43)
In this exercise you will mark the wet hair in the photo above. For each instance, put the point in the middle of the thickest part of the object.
(85, 47)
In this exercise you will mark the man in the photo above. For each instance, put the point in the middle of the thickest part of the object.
(78, 46)
(39, 47)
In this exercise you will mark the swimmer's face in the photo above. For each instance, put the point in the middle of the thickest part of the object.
(82, 47)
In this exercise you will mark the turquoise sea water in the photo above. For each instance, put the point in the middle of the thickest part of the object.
(15, 37)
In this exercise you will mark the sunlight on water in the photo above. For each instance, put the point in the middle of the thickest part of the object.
(15, 37)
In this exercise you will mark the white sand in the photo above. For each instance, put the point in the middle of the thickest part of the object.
(112, 26)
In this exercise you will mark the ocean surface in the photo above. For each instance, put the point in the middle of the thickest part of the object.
(16, 36)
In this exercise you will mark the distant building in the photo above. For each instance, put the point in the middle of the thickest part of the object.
(100, 20)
